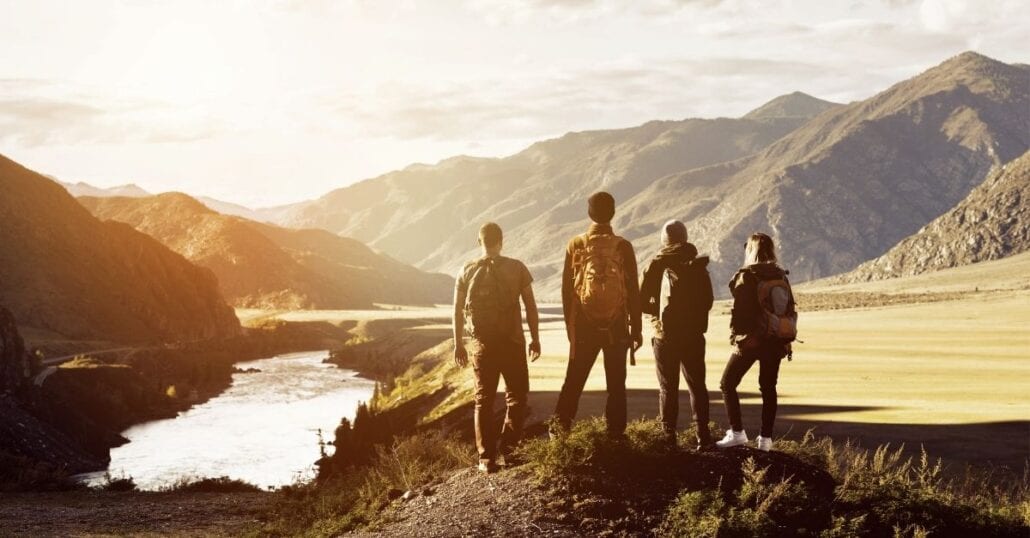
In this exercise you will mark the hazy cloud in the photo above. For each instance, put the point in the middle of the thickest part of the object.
(528, 107)
(38, 112)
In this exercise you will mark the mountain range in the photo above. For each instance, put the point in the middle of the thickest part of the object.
(992, 222)
(264, 266)
(67, 274)
(836, 185)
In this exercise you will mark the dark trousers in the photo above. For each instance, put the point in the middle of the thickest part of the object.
(582, 361)
(686, 353)
(768, 359)
(490, 363)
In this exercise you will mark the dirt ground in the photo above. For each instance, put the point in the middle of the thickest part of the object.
(129, 514)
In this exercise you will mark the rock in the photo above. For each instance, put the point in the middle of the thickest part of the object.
(408, 495)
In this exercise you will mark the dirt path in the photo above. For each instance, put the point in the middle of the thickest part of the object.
(469, 503)
(129, 514)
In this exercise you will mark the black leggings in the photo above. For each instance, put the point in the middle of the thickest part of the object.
(768, 371)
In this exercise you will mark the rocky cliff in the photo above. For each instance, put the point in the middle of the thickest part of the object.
(992, 222)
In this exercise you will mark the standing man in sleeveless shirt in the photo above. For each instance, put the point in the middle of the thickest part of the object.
(486, 306)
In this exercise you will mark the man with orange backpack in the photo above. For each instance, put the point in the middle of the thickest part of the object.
(601, 304)
(486, 307)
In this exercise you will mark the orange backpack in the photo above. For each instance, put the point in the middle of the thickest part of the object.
(599, 278)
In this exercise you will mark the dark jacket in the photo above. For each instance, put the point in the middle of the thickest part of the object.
(744, 287)
(570, 301)
(690, 290)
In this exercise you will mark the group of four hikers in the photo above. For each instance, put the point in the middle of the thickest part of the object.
(603, 303)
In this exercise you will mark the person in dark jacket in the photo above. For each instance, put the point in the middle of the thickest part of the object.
(759, 265)
(680, 319)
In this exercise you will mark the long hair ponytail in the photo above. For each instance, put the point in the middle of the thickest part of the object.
(759, 249)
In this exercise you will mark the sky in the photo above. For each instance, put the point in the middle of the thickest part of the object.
(266, 102)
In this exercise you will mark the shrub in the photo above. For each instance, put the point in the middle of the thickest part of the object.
(222, 484)
(761, 507)
(119, 484)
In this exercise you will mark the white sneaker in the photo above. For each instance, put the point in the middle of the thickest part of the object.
(764, 443)
(732, 439)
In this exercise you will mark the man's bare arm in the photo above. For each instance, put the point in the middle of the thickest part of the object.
(460, 354)
(533, 319)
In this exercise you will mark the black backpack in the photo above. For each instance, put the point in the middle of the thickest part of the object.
(686, 279)
(485, 302)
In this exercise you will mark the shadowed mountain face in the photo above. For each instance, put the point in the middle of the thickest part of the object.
(834, 190)
(260, 265)
(991, 223)
(64, 271)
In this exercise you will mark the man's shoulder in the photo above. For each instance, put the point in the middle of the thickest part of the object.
(511, 262)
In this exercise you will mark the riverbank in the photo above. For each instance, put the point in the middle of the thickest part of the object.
(77, 413)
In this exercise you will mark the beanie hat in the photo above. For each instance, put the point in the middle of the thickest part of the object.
(674, 232)
(601, 207)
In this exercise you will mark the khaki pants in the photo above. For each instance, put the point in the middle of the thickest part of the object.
(490, 362)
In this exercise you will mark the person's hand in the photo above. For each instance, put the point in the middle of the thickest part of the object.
(461, 356)
(534, 350)
(638, 341)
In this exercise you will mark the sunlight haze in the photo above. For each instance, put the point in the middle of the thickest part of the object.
(270, 102)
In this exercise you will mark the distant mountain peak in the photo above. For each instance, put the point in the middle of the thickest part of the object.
(969, 58)
(792, 105)
(82, 188)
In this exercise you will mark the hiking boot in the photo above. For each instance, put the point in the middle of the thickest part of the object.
(764, 443)
(732, 439)
(706, 445)
(508, 460)
(488, 467)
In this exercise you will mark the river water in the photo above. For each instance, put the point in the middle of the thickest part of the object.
(263, 429)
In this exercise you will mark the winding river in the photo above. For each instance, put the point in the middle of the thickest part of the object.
(263, 429)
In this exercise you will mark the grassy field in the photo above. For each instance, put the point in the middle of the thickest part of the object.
(950, 375)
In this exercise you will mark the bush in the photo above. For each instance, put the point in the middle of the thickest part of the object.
(118, 484)
(222, 484)
(761, 507)
(576, 456)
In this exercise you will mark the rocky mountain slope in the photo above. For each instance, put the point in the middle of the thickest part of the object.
(835, 190)
(429, 215)
(65, 272)
(260, 265)
(991, 223)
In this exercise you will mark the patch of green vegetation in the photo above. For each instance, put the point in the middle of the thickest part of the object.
(86, 362)
(360, 495)
(883, 493)
(760, 507)
(807, 488)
